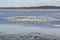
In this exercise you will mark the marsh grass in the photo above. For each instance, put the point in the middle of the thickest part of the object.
(28, 36)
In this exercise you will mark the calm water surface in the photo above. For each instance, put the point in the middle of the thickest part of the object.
(53, 13)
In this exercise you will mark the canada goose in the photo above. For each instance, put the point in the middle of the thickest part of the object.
(32, 19)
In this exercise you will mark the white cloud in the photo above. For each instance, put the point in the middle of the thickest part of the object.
(9, 3)
(25, 1)
(36, 1)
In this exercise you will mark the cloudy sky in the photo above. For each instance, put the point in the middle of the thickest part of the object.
(16, 3)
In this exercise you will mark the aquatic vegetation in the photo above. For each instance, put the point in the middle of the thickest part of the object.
(28, 36)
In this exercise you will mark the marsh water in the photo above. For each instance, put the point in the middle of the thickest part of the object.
(17, 27)
(53, 13)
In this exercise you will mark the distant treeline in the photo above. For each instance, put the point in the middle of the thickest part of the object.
(39, 7)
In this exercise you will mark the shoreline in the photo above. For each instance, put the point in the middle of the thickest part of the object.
(28, 9)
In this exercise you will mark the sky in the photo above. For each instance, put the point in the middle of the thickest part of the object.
(20, 3)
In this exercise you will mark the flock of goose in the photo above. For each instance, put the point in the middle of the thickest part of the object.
(31, 19)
